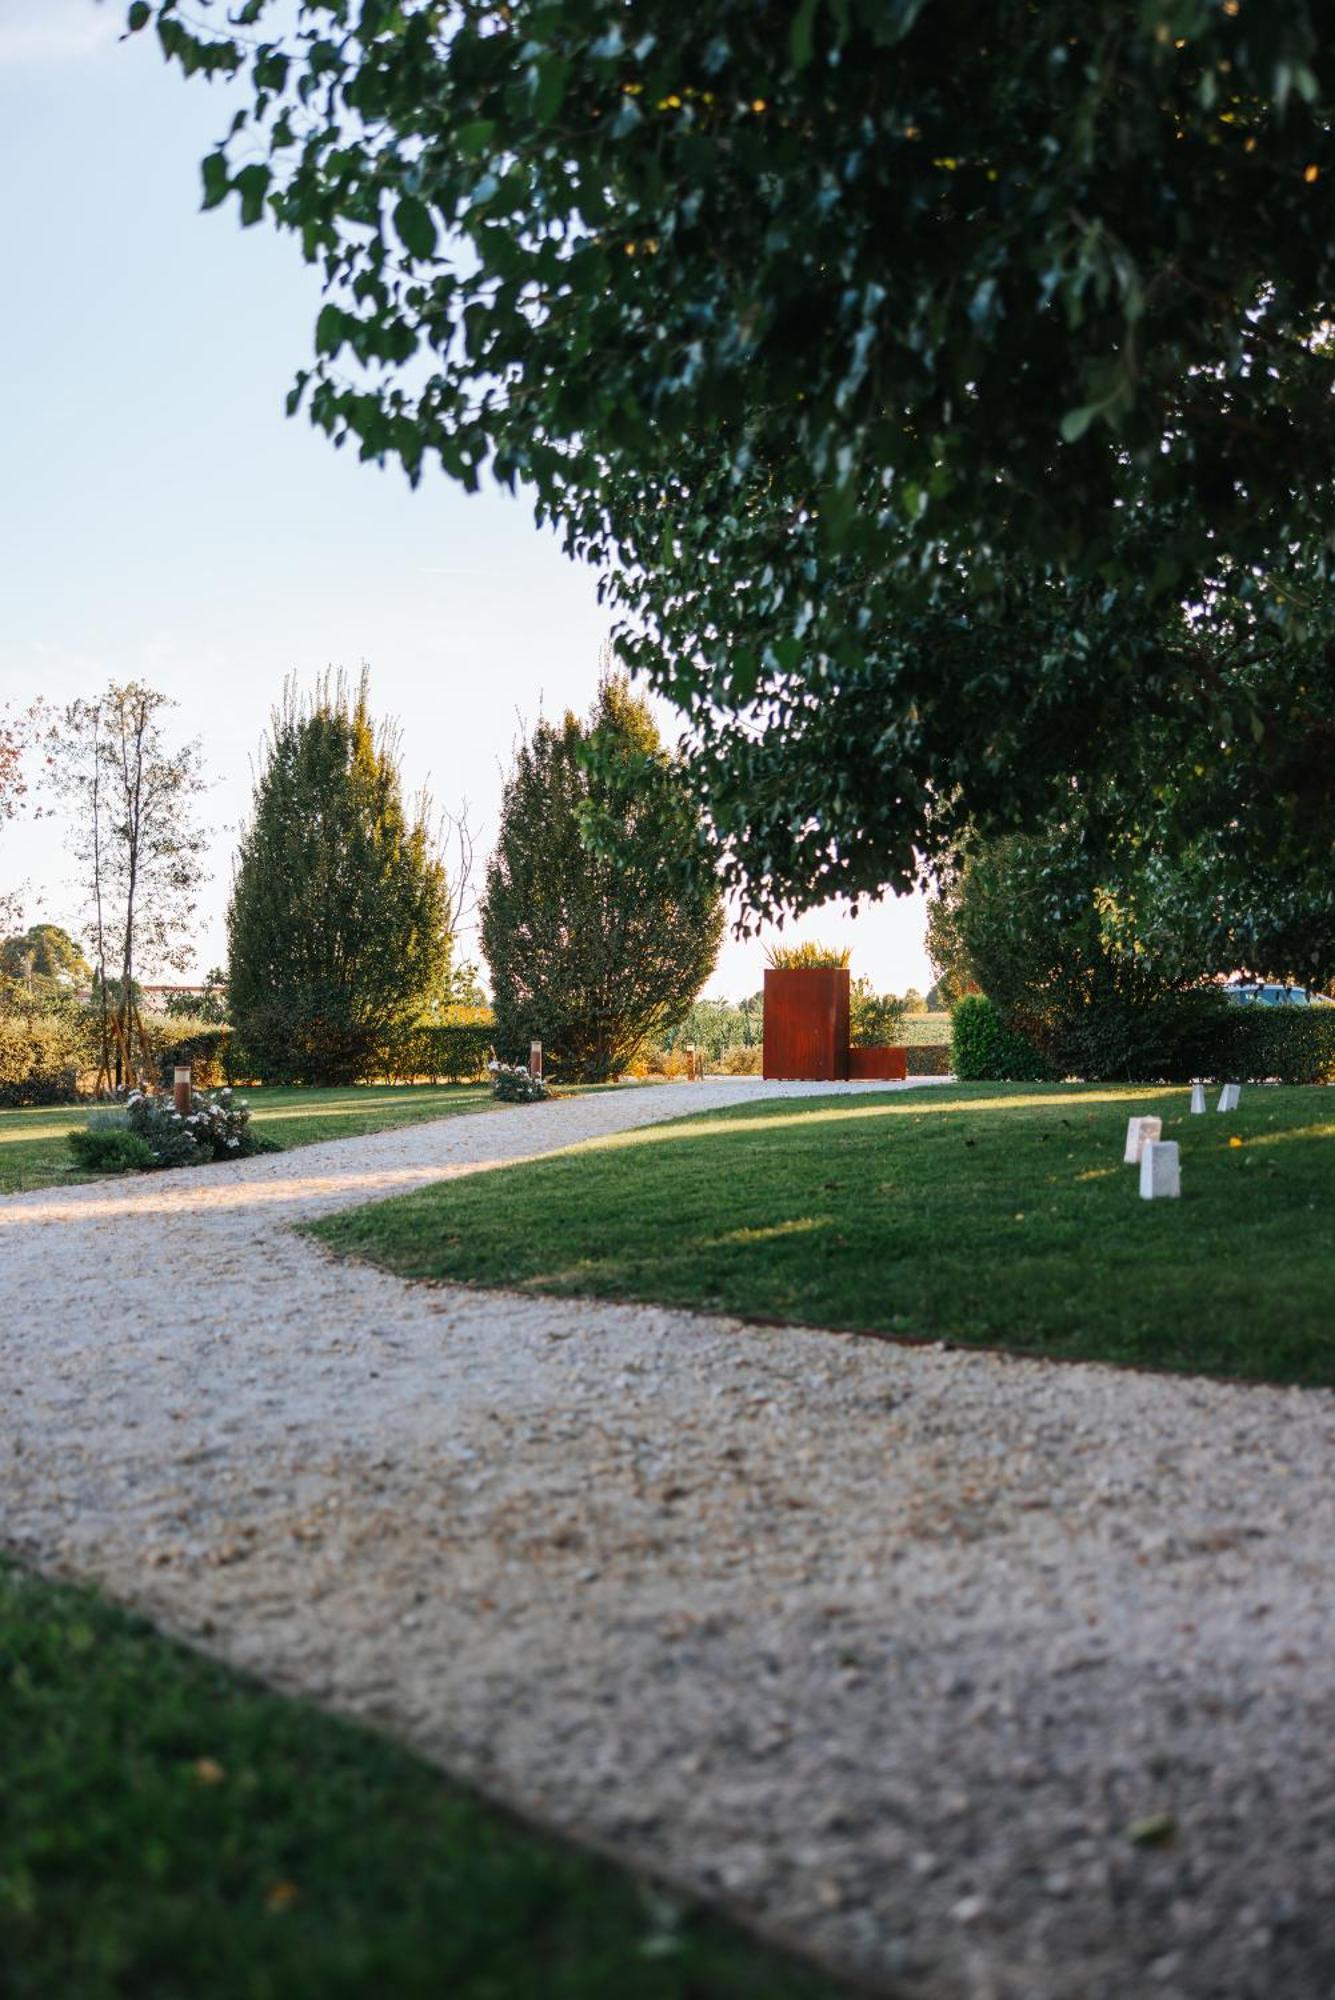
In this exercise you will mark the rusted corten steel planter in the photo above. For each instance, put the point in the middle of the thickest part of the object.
(889, 1063)
(806, 1024)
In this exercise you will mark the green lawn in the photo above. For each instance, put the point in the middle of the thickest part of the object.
(994, 1214)
(33, 1152)
(170, 1831)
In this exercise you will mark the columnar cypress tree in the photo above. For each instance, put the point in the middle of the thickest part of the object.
(598, 922)
(338, 923)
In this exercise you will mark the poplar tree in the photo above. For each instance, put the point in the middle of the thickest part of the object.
(338, 922)
(598, 923)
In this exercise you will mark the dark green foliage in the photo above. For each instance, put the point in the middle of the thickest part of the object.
(1100, 985)
(106, 1145)
(598, 926)
(905, 366)
(984, 1050)
(988, 1212)
(338, 923)
(1289, 1044)
(172, 1831)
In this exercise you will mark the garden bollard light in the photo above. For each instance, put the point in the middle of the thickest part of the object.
(535, 1058)
(181, 1088)
(1140, 1132)
(691, 1070)
(1198, 1097)
(1228, 1097)
(1160, 1170)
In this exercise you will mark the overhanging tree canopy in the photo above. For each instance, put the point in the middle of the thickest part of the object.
(906, 363)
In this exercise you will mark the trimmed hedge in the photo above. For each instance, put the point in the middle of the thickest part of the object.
(454, 1052)
(1194, 1034)
(929, 1059)
(41, 1056)
(1288, 1044)
(984, 1050)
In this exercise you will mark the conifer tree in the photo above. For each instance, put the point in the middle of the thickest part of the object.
(338, 923)
(598, 928)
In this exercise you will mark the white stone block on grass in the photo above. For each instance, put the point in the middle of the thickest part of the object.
(1160, 1170)
(1198, 1097)
(1228, 1097)
(1140, 1132)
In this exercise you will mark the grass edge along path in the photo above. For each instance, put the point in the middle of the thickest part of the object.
(170, 1828)
(33, 1152)
(988, 1215)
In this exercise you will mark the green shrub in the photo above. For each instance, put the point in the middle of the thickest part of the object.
(929, 1059)
(984, 1050)
(875, 1020)
(740, 1061)
(106, 1145)
(448, 1052)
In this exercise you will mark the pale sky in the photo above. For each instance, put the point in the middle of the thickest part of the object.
(161, 519)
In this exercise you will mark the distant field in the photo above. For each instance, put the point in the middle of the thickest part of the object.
(925, 1030)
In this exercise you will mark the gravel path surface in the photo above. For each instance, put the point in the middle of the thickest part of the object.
(896, 1648)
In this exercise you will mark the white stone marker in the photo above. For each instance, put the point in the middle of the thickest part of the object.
(1228, 1097)
(1160, 1170)
(1140, 1132)
(1198, 1097)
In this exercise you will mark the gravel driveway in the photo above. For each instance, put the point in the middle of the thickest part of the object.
(983, 1678)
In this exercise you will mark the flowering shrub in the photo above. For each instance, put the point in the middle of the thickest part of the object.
(513, 1084)
(216, 1127)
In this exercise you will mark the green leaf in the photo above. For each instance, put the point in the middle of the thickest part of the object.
(138, 17)
(416, 229)
(475, 137)
(800, 36)
(329, 329)
(252, 184)
(1076, 422)
(216, 179)
(549, 87)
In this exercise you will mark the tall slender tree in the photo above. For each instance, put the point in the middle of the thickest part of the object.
(132, 800)
(339, 917)
(597, 922)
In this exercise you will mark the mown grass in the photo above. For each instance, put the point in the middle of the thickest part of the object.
(980, 1214)
(170, 1831)
(34, 1153)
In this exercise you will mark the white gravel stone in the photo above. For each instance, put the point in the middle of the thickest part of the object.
(890, 1645)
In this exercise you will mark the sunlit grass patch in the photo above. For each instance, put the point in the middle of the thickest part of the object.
(980, 1214)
